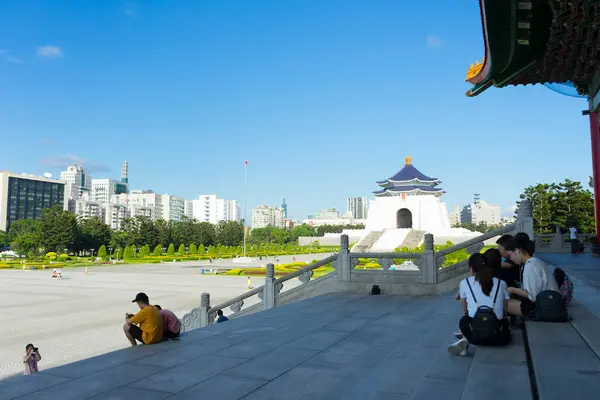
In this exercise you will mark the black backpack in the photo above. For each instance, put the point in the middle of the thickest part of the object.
(375, 290)
(550, 307)
(485, 325)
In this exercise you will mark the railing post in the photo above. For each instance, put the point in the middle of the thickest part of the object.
(269, 288)
(343, 261)
(525, 218)
(204, 307)
(428, 262)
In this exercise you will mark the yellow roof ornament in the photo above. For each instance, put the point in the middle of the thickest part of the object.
(408, 161)
(474, 70)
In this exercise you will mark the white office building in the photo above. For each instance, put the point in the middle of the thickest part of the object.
(455, 216)
(114, 214)
(104, 189)
(480, 211)
(141, 202)
(189, 209)
(84, 207)
(210, 208)
(357, 207)
(173, 208)
(77, 181)
(263, 216)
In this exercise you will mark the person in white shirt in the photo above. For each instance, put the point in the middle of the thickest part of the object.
(574, 241)
(481, 289)
(536, 278)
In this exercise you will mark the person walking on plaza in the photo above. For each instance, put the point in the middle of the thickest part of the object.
(170, 322)
(31, 359)
(145, 326)
(573, 239)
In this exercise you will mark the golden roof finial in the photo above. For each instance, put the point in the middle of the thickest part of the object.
(408, 161)
(475, 69)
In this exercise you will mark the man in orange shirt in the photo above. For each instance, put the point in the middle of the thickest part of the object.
(146, 325)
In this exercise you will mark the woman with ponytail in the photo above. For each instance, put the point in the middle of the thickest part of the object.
(483, 298)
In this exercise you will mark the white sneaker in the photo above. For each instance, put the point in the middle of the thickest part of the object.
(459, 348)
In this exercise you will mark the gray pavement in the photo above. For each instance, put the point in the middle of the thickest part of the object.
(82, 315)
(337, 346)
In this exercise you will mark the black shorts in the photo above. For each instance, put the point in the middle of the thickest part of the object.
(171, 335)
(136, 333)
(527, 308)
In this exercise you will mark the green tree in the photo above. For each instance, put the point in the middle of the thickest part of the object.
(164, 231)
(181, 249)
(193, 249)
(212, 250)
(102, 251)
(25, 236)
(59, 229)
(3, 239)
(128, 253)
(92, 233)
(230, 233)
(158, 250)
(201, 250)
(171, 250)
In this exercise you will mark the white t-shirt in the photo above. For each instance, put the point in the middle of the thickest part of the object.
(482, 299)
(536, 278)
(572, 232)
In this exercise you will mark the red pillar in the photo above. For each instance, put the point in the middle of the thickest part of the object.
(595, 135)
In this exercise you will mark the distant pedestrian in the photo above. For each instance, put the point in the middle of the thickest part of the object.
(573, 239)
(31, 359)
(221, 317)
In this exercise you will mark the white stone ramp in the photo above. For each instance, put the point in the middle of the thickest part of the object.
(336, 346)
(390, 240)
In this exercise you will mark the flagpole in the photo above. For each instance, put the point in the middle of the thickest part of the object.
(245, 197)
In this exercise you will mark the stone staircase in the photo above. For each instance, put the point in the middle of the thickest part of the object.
(413, 239)
(365, 244)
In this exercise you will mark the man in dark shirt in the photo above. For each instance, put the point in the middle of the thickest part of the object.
(221, 317)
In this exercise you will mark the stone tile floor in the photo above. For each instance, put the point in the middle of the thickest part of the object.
(337, 346)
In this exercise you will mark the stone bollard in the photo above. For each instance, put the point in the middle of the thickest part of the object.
(204, 307)
(269, 288)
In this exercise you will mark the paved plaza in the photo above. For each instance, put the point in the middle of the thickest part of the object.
(82, 315)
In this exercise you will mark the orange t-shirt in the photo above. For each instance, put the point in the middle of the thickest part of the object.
(149, 321)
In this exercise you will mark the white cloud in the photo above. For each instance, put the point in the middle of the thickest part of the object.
(63, 161)
(433, 41)
(14, 60)
(49, 51)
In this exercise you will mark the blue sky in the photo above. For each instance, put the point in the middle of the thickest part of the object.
(322, 97)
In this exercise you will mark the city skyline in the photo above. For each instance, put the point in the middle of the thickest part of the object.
(314, 107)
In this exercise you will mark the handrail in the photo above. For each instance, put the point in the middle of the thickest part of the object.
(236, 299)
(386, 255)
(310, 267)
(481, 238)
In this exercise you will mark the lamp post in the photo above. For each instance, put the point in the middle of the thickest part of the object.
(245, 198)
(92, 250)
(110, 256)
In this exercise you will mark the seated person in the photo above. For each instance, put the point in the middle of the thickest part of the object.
(536, 278)
(170, 322)
(493, 259)
(506, 262)
(146, 325)
(221, 317)
(489, 293)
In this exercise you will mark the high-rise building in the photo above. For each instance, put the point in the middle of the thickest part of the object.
(141, 202)
(114, 215)
(455, 216)
(85, 207)
(263, 216)
(284, 206)
(480, 211)
(103, 189)
(173, 207)
(189, 209)
(25, 196)
(357, 207)
(125, 173)
(78, 182)
(210, 208)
